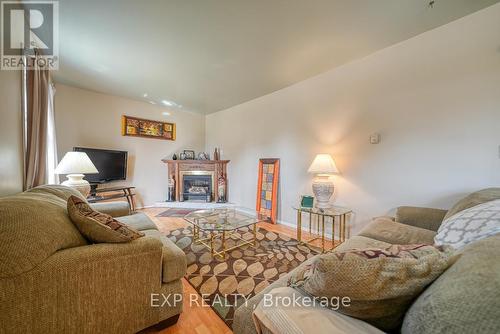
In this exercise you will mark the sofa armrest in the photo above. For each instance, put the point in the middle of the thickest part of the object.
(385, 230)
(110, 284)
(107, 252)
(427, 218)
(114, 209)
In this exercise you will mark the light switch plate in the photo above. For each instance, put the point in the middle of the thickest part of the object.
(375, 138)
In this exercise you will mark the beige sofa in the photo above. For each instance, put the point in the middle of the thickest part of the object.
(52, 280)
(464, 299)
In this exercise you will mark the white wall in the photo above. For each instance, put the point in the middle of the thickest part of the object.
(11, 157)
(435, 99)
(89, 119)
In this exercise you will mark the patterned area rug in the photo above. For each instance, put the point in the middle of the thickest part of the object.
(175, 212)
(226, 283)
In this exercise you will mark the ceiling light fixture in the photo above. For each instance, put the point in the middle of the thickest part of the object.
(165, 113)
(145, 95)
(168, 103)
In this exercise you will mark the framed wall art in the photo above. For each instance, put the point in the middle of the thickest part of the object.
(138, 127)
(267, 189)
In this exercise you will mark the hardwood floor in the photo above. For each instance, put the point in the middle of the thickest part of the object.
(201, 319)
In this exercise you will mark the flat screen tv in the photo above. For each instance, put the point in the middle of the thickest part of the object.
(112, 165)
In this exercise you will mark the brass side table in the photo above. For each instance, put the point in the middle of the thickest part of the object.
(337, 216)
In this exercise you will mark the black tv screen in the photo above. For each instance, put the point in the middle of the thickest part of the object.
(112, 165)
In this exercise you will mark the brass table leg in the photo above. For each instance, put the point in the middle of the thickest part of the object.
(322, 233)
(196, 235)
(212, 242)
(317, 224)
(341, 228)
(299, 225)
(255, 234)
(223, 244)
(333, 232)
(344, 228)
(310, 222)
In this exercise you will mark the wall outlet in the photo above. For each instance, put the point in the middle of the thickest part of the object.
(375, 138)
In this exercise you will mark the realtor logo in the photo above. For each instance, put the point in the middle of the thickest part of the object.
(27, 26)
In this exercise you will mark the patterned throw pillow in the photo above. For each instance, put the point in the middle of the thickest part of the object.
(380, 283)
(98, 227)
(473, 224)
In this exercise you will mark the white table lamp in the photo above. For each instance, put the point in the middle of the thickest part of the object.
(323, 167)
(75, 164)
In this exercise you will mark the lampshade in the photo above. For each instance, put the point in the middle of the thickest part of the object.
(76, 163)
(323, 164)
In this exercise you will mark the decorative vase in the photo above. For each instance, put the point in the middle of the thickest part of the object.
(323, 189)
(171, 190)
(221, 189)
(174, 157)
(77, 182)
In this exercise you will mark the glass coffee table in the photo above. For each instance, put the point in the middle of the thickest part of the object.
(222, 223)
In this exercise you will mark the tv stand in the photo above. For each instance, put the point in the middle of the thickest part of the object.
(93, 189)
(105, 194)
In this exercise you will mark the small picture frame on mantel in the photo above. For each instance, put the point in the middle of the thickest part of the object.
(203, 156)
(189, 154)
(306, 201)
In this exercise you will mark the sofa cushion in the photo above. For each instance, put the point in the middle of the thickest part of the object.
(359, 242)
(276, 315)
(33, 226)
(464, 299)
(99, 227)
(386, 230)
(174, 262)
(470, 225)
(380, 283)
(138, 221)
(476, 198)
(426, 218)
(243, 323)
(60, 191)
(114, 209)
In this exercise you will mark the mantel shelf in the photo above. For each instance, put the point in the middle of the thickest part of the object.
(196, 161)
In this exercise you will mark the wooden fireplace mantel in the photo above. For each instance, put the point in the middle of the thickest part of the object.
(203, 162)
(177, 168)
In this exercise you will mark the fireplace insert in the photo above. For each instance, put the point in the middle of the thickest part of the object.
(197, 188)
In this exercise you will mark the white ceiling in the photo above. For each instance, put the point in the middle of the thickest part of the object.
(208, 55)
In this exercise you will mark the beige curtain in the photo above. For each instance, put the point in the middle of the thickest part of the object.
(38, 128)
